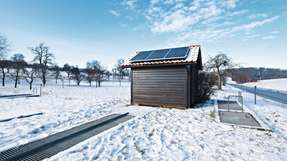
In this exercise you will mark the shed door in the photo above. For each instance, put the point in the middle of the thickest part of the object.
(164, 86)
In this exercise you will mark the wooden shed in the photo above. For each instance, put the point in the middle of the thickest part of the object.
(165, 77)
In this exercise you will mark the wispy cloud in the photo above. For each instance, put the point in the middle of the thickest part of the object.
(258, 15)
(255, 24)
(130, 4)
(123, 25)
(239, 13)
(201, 20)
(270, 37)
(177, 16)
(114, 13)
(207, 34)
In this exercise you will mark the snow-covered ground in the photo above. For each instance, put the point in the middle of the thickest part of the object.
(154, 134)
(276, 84)
(272, 113)
(62, 107)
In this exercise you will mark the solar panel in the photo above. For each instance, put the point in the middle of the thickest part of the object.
(157, 54)
(162, 54)
(180, 53)
(141, 56)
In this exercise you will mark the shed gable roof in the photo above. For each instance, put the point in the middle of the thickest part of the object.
(193, 57)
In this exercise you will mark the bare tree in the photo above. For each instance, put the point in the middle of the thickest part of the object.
(97, 71)
(57, 72)
(219, 63)
(100, 76)
(4, 64)
(77, 75)
(44, 58)
(206, 82)
(18, 66)
(91, 73)
(30, 74)
(67, 68)
(119, 71)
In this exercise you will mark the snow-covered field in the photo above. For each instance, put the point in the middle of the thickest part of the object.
(62, 108)
(154, 134)
(276, 84)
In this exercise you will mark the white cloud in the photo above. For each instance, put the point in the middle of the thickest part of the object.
(202, 20)
(174, 22)
(258, 15)
(130, 4)
(231, 3)
(123, 25)
(238, 13)
(274, 32)
(177, 15)
(115, 13)
(254, 24)
(210, 34)
(270, 37)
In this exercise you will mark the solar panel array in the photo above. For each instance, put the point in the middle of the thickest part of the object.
(162, 54)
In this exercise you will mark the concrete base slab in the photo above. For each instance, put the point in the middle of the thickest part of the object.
(238, 118)
(231, 105)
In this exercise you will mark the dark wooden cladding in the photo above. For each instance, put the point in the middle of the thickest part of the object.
(166, 83)
(160, 86)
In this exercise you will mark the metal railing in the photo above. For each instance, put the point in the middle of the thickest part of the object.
(239, 99)
(275, 95)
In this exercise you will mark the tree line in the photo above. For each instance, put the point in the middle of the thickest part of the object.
(43, 66)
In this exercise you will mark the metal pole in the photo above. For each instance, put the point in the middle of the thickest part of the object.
(255, 93)
(228, 104)
(40, 89)
(241, 99)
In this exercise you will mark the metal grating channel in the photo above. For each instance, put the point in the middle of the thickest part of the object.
(228, 105)
(236, 116)
(15, 95)
(53, 144)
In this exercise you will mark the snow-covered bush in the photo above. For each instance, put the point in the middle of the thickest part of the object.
(206, 82)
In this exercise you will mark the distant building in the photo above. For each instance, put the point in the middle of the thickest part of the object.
(165, 77)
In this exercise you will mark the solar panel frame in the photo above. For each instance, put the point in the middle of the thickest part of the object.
(135, 58)
(155, 52)
(178, 57)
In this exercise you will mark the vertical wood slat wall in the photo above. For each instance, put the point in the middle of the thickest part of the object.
(162, 86)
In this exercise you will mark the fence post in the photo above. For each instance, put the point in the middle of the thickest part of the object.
(241, 99)
(255, 93)
(228, 104)
(40, 89)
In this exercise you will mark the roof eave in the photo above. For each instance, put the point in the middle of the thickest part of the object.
(155, 64)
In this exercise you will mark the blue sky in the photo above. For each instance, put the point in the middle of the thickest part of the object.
(253, 33)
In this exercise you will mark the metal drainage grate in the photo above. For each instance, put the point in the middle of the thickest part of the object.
(53, 144)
